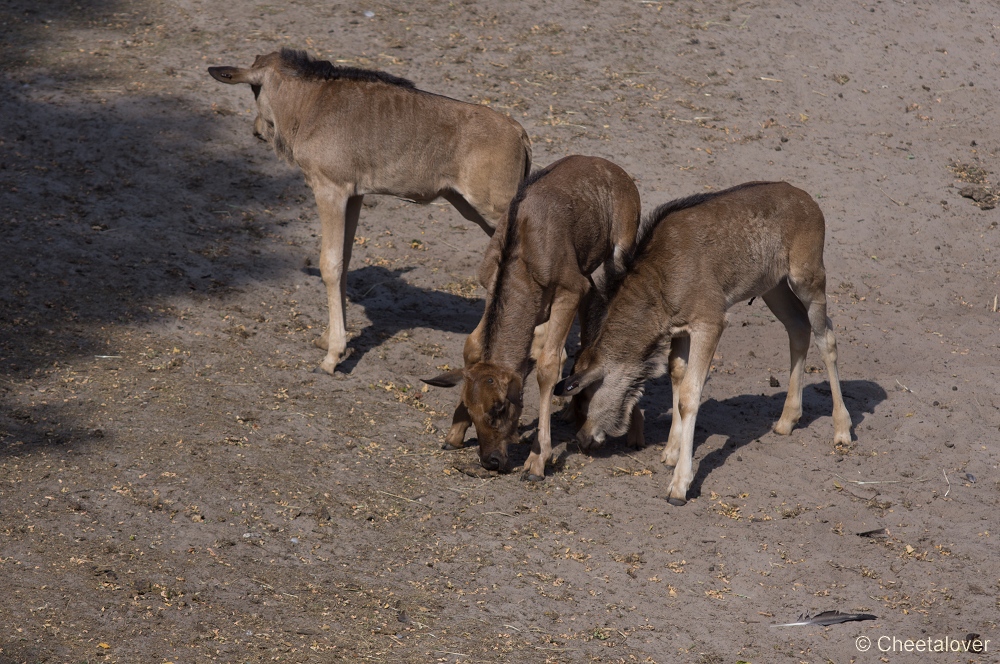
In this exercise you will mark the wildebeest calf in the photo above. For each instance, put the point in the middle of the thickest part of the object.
(694, 259)
(355, 132)
(566, 221)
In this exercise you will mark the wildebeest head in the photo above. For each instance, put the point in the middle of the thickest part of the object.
(493, 397)
(267, 78)
(257, 77)
(607, 392)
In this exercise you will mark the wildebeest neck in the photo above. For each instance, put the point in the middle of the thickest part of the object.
(513, 304)
(511, 317)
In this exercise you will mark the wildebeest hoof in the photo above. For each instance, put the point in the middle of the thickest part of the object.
(677, 502)
(450, 447)
(531, 477)
(328, 366)
(782, 428)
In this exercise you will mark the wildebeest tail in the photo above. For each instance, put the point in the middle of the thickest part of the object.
(526, 145)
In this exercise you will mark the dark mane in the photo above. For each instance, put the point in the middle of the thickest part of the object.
(494, 308)
(299, 63)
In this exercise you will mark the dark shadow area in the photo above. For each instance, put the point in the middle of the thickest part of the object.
(24, 22)
(25, 430)
(111, 203)
(107, 213)
(741, 419)
(394, 305)
(746, 418)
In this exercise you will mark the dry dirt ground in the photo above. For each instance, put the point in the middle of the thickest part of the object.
(176, 485)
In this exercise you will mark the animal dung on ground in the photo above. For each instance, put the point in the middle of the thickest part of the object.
(474, 470)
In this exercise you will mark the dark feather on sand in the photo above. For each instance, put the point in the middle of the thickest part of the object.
(829, 618)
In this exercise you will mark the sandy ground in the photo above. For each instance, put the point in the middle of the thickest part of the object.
(176, 485)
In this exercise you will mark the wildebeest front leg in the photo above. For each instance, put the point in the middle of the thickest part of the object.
(636, 435)
(549, 369)
(460, 423)
(704, 339)
(461, 420)
(576, 411)
(338, 213)
(680, 348)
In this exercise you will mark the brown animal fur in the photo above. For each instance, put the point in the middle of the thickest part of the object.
(355, 132)
(566, 221)
(695, 258)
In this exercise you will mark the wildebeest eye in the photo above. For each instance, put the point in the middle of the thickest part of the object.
(489, 380)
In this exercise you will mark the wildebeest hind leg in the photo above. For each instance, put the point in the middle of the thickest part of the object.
(812, 293)
(789, 310)
(338, 213)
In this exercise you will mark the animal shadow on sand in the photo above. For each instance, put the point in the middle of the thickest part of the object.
(742, 419)
(393, 305)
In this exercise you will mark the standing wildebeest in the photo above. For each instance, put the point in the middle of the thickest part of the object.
(694, 259)
(355, 132)
(565, 222)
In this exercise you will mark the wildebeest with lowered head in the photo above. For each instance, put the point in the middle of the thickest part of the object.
(566, 221)
(355, 132)
(694, 259)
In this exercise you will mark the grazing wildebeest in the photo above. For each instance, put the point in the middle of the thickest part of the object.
(695, 258)
(355, 132)
(566, 221)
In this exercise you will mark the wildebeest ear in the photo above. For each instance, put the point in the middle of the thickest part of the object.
(578, 381)
(514, 392)
(234, 75)
(447, 379)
